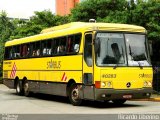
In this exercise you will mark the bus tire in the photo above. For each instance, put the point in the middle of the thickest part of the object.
(74, 95)
(119, 101)
(19, 90)
(26, 88)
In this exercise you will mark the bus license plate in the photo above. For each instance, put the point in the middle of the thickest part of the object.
(127, 96)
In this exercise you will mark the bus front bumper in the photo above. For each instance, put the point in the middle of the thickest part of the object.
(111, 94)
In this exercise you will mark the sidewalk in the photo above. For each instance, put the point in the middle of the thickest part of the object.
(1, 81)
(154, 97)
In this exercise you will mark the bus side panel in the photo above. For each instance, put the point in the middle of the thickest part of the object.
(54, 87)
(46, 75)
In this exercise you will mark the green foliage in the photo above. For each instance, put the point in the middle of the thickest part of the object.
(6, 28)
(145, 13)
(38, 22)
(98, 9)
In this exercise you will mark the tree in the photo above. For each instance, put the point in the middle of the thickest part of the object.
(6, 28)
(146, 14)
(101, 10)
(38, 22)
(142, 12)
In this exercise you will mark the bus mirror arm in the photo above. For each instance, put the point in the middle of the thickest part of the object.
(115, 66)
(141, 67)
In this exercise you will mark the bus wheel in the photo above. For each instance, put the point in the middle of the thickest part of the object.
(18, 88)
(74, 95)
(26, 88)
(119, 102)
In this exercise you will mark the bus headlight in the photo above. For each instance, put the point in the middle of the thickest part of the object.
(109, 84)
(103, 84)
(147, 84)
(106, 84)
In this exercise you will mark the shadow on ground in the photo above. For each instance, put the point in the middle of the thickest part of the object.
(86, 103)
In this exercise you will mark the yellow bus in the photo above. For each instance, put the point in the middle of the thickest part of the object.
(83, 61)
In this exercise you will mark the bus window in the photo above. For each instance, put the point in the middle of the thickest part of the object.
(73, 43)
(61, 49)
(43, 45)
(49, 47)
(55, 44)
(24, 50)
(70, 44)
(16, 52)
(38, 47)
(88, 50)
(77, 43)
(35, 49)
(46, 47)
(11, 53)
(137, 50)
(7, 54)
(111, 49)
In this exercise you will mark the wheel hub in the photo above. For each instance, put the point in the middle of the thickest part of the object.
(18, 88)
(75, 94)
(26, 87)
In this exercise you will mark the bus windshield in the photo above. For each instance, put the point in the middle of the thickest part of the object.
(121, 49)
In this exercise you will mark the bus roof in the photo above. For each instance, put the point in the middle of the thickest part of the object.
(76, 27)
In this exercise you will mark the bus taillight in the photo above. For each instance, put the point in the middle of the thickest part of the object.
(97, 84)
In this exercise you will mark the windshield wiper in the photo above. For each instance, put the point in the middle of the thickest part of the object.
(141, 67)
(115, 66)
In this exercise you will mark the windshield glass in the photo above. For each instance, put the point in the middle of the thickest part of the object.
(137, 50)
(110, 49)
(118, 49)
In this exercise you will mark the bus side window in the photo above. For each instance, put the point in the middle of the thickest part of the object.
(70, 43)
(61, 49)
(11, 53)
(7, 54)
(35, 49)
(55, 45)
(49, 47)
(24, 50)
(16, 52)
(88, 50)
(46, 47)
(77, 43)
(73, 43)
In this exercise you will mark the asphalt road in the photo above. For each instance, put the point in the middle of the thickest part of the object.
(11, 103)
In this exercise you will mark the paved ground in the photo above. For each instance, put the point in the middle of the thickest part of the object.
(48, 104)
(154, 98)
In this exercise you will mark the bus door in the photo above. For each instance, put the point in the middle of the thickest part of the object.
(88, 90)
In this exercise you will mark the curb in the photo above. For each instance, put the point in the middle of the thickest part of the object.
(148, 99)
(155, 99)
